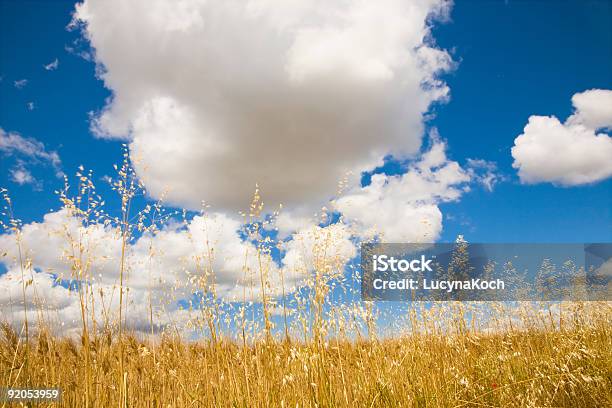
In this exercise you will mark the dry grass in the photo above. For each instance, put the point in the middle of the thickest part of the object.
(327, 354)
(570, 367)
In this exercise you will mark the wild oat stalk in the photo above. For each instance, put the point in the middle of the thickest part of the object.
(83, 209)
(127, 185)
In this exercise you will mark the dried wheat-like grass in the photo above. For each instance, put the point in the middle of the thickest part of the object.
(327, 353)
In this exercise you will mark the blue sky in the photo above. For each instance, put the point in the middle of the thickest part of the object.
(519, 59)
(514, 59)
(511, 60)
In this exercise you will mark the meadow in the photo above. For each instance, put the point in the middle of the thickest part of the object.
(273, 344)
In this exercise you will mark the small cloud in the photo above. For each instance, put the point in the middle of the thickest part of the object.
(30, 106)
(22, 176)
(484, 172)
(21, 83)
(79, 48)
(52, 66)
(28, 149)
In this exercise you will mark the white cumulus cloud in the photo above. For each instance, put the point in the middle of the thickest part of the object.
(405, 208)
(170, 265)
(215, 97)
(571, 153)
(593, 109)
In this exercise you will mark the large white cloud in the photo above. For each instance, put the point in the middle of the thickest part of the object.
(571, 153)
(166, 267)
(177, 250)
(215, 97)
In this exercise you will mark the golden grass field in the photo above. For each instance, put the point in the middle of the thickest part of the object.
(568, 367)
(449, 354)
